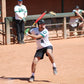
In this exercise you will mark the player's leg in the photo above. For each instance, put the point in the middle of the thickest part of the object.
(38, 55)
(81, 24)
(33, 68)
(18, 31)
(80, 27)
(51, 57)
(72, 29)
(22, 31)
(34, 63)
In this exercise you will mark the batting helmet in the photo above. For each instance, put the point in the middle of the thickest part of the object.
(41, 22)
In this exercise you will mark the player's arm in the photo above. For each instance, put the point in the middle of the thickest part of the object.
(83, 11)
(25, 10)
(35, 36)
(79, 15)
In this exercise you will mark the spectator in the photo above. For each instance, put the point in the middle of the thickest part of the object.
(20, 15)
(77, 21)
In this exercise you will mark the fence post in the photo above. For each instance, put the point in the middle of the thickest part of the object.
(65, 29)
(3, 29)
(7, 28)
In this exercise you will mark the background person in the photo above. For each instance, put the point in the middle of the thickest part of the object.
(77, 21)
(20, 15)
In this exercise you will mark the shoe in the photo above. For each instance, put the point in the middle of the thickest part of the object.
(31, 79)
(75, 33)
(54, 70)
(19, 42)
(22, 42)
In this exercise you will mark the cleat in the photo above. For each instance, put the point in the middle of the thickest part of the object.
(54, 70)
(31, 79)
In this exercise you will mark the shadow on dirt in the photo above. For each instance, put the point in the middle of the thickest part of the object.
(21, 78)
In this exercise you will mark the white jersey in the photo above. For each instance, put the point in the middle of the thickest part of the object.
(79, 11)
(44, 41)
(73, 21)
(20, 11)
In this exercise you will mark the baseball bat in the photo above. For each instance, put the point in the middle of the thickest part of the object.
(52, 13)
(39, 18)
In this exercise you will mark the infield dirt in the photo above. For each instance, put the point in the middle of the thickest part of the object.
(16, 60)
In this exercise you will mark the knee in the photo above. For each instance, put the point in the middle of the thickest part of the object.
(35, 61)
(49, 54)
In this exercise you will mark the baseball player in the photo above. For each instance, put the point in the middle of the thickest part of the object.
(20, 15)
(43, 46)
(74, 21)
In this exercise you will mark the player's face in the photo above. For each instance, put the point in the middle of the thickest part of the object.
(20, 3)
(41, 26)
(77, 8)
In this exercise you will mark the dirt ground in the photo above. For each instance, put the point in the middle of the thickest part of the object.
(16, 60)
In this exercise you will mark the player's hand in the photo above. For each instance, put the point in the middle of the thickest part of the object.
(26, 31)
(24, 19)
